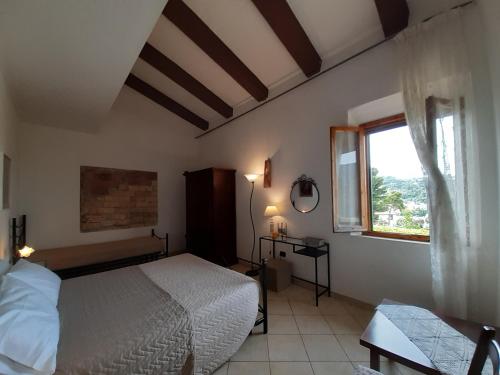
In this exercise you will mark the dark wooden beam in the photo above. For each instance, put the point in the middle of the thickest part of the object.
(287, 28)
(192, 25)
(394, 15)
(159, 98)
(173, 71)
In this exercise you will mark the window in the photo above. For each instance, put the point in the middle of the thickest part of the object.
(379, 186)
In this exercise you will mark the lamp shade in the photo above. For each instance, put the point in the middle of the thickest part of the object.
(271, 211)
(26, 251)
(251, 177)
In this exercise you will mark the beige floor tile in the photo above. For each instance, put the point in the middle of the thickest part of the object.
(249, 368)
(297, 293)
(253, 349)
(312, 324)
(222, 370)
(259, 330)
(304, 308)
(343, 324)
(271, 295)
(291, 368)
(354, 350)
(332, 368)
(362, 315)
(240, 267)
(286, 348)
(279, 307)
(332, 306)
(282, 325)
(324, 348)
(386, 368)
(403, 370)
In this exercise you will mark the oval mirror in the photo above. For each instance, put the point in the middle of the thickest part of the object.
(304, 194)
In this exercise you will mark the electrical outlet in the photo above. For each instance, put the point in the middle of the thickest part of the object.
(282, 254)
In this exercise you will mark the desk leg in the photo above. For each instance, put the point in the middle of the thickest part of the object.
(328, 267)
(374, 360)
(260, 250)
(274, 249)
(316, 278)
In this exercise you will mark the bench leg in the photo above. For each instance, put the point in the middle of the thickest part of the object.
(374, 360)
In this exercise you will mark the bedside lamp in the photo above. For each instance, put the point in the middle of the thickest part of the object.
(25, 252)
(19, 247)
(272, 211)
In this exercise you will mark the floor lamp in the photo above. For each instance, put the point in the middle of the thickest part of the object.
(251, 178)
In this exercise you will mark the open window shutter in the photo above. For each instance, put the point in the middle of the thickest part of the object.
(349, 184)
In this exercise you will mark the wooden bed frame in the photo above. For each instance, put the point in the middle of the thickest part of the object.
(115, 264)
(19, 240)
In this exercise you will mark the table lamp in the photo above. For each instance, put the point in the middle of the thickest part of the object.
(272, 211)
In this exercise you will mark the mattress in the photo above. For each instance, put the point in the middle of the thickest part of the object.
(179, 315)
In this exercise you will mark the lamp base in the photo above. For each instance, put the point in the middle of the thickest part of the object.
(252, 273)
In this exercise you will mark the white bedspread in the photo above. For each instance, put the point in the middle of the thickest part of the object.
(179, 315)
(222, 303)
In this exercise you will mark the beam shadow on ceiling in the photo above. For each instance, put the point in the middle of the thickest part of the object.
(190, 24)
(173, 71)
(159, 98)
(394, 15)
(287, 28)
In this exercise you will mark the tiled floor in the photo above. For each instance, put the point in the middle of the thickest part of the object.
(305, 339)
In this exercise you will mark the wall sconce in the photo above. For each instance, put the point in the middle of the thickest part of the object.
(19, 247)
(25, 252)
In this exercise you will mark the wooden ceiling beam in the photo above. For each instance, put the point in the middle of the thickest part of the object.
(394, 15)
(192, 25)
(173, 71)
(287, 28)
(159, 98)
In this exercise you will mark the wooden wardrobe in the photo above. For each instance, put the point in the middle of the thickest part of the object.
(211, 215)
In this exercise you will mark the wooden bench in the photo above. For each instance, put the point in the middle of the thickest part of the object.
(82, 260)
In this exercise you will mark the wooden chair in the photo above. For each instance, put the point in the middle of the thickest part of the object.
(486, 346)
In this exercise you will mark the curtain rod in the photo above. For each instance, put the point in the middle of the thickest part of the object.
(357, 54)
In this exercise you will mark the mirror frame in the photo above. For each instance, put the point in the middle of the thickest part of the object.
(304, 178)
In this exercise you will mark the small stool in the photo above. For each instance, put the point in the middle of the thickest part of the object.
(279, 274)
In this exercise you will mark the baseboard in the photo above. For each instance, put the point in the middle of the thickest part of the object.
(310, 285)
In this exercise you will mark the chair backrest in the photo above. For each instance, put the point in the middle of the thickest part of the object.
(486, 346)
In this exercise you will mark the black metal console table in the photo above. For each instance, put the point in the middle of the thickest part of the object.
(300, 248)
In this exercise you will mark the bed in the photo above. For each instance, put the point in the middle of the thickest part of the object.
(178, 315)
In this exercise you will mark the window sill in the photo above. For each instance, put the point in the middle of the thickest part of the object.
(398, 236)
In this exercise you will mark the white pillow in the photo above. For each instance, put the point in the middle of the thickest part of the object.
(37, 277)
(29, 326)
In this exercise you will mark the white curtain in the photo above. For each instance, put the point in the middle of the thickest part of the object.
(437, 91)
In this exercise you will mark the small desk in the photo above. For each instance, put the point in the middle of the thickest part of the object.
(300, 248)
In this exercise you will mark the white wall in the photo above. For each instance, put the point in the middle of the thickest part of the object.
(294, 132)
(8, 123)
(137, 134)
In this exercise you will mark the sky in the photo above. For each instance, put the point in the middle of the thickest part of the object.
(392, 152)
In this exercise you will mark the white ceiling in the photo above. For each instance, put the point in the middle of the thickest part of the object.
(331, 25)
(66, 60)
